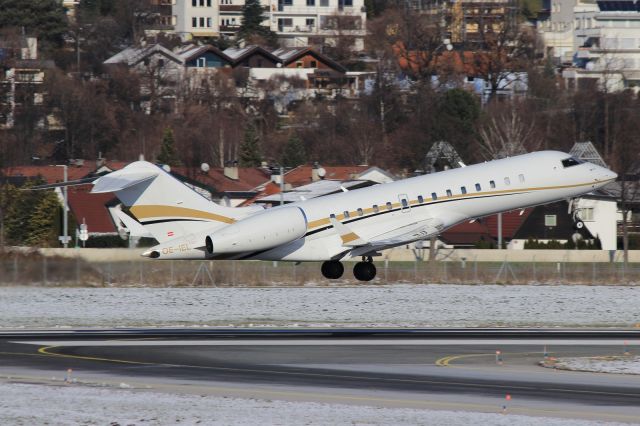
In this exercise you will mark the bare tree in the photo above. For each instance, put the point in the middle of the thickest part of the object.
(507, 133)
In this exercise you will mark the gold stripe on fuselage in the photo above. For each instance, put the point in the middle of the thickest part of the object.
(156, 211)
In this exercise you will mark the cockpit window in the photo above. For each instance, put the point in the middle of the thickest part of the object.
(570, 162)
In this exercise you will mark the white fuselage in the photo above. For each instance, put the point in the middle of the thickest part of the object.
(506, 184)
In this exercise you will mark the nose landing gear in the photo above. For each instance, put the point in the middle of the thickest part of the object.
(365, 270)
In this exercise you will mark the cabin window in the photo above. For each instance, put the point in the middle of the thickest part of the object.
(507, 181)
(434, 196)
(492, 184)
(463, 190)
(346, 214)
(420, 199)
(376, 209)
(360, 212)
(521, 178)
(389, 207)
(478, 187)
(570, 162)
(332, 216)
(405, 203)
(449, 193)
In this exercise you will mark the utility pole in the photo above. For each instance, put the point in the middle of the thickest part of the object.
(281, 185)
(64, 239)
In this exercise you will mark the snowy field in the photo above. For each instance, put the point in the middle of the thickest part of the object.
(29, 404)
(610, 364)
(391, 305)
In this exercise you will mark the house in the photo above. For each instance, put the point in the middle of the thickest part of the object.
(21, 78)
(252, 56)
(203, 57)
(483, 233)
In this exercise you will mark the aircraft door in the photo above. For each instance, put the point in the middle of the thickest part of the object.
(405, 204)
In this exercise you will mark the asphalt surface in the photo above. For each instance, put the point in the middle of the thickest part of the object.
(447, 362)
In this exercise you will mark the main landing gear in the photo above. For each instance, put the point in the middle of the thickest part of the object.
(363, 271)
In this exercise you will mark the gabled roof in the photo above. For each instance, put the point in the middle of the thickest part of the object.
(301, 175)
(134, 55)
(190, 52)
(288, 55)
(238, 55)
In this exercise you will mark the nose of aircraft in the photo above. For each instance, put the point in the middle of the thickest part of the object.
(604, 175)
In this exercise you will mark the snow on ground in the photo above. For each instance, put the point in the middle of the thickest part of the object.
(603, 364)
(28, 404)
(389, 305)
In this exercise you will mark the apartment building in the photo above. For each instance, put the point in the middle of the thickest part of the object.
(297, 22)
(597, 42)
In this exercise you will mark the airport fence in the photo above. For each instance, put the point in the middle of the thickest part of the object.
(77, 272)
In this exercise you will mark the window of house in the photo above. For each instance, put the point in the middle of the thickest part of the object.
(202, 22)
(492, 184)
(463, 190)
(420, 199)
(201, 2)
(389, 206)
(507, 181)
(311, 3)
(299, 64)
(194, 3)
(376, 209)
(434, 196)
(208, 3)
(160, 63)
(360, 212)
(478, 187)
(449, 193)
(324, 3)
(194, 22)
(550, 220)
(313, 64)
(310, 22)
(586, 214)
(259, 63)
(201, 62)
(209, 23)
(346, 214)
(521, 178)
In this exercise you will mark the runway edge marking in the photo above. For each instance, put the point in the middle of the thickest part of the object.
(45, 351)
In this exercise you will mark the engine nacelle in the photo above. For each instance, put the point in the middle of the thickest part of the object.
(261, 231)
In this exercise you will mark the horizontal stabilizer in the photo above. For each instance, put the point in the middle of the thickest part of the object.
(135, 228)
(122, 179)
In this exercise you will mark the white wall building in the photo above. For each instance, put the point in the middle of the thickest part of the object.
(600, 39)
(297, 22)
(196, 18)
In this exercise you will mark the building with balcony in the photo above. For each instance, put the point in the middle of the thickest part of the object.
(297, 22)
(606, 43)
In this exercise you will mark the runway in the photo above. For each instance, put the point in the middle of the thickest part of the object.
(389, 367)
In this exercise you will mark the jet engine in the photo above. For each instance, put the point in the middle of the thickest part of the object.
(261, 231)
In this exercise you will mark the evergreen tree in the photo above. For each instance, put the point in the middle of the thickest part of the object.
(250, 148)
(167, 149)
(42, 223)
(44, 19)
(251, 29)
(294, 153)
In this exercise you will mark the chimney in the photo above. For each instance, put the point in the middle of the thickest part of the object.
(314, 172)
(231, 170)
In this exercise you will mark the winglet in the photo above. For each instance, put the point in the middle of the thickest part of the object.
(349, 238)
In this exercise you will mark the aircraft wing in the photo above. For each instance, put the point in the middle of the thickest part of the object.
(407, 234)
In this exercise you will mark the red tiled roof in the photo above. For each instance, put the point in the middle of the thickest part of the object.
(487, 228)
(92, 208)
(248, 178)
(301, 175)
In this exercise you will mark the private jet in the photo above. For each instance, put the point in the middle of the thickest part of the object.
(353, 224)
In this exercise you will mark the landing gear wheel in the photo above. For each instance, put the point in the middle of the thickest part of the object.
(332, 269)
(364, 271)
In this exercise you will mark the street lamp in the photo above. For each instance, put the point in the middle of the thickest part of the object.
(64, 238)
